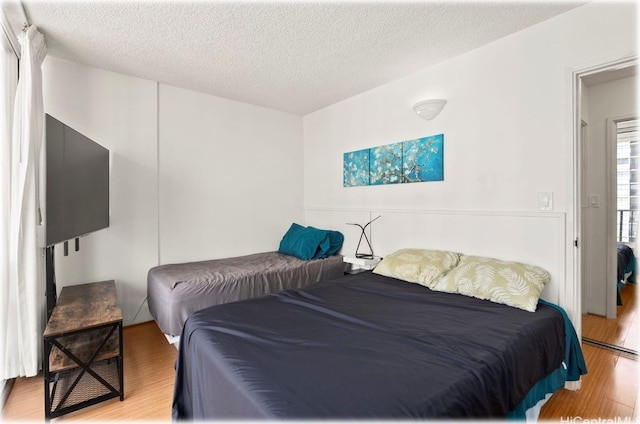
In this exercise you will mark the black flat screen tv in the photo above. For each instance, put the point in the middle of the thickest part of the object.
(77, 193)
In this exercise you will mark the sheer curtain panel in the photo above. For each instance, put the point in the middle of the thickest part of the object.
(22, 310)
(8, 83)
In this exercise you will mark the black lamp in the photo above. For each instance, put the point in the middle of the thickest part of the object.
(364, 255)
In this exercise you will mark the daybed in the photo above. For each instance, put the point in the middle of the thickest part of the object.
(305, 255)
(175, 291)
(374, 346)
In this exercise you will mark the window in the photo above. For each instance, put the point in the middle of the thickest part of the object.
(627, 177)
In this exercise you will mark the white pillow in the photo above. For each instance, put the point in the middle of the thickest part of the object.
(510, 283)
(419, 266)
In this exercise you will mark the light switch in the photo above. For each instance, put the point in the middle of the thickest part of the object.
(545, 200)
(594, 201)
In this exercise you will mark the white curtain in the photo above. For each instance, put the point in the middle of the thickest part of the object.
(8, 83)
(22, 308)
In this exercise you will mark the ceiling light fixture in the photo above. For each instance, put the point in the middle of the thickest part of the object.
(429, 109)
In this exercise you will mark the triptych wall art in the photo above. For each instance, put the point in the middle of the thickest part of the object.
(411, 161)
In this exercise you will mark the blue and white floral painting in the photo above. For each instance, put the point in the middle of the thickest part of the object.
(409, 161)
(356, 168)
(423, 159)
(386, 164)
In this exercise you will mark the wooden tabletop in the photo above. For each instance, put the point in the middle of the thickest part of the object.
(83, 307)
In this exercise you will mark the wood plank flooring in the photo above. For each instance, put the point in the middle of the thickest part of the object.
(624, 331)
(609, 390)
(148, 384)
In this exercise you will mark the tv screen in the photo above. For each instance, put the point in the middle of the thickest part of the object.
(77, 196)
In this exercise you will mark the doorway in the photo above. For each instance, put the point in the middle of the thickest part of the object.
(607, 107)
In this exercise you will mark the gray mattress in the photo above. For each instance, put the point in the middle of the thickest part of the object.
(175, 291)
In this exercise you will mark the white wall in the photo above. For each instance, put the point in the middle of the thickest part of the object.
(605, 101)
(118, 112)
(508, 134)
(193, 176)
(230, 176)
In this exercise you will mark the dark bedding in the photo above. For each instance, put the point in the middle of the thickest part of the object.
(626, 263)
(363, 346)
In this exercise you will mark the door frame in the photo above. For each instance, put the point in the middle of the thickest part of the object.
(611, 261)
(612, 200)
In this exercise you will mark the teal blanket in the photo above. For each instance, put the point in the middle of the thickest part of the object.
(571, 369)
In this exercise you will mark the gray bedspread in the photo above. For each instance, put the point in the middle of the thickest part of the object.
(175, 291)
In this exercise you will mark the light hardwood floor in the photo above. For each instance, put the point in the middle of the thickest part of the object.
(624, 331)
(611, 385)
(609, 390)
(148, 384)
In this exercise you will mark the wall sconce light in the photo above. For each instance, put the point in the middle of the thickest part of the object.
(429, 109)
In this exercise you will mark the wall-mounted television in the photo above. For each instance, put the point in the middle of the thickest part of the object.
(77, 193)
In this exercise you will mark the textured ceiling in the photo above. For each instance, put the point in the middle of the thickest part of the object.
(294, 56)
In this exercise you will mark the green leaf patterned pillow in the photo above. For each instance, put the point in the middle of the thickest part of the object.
(511, 283)
(419, 266)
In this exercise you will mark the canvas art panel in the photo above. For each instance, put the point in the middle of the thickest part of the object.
(356, 168)
(386, 164)
(422, 159)
(408, 161)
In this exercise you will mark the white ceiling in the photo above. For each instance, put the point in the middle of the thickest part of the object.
(293, 56)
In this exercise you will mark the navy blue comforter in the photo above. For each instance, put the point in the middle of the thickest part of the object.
(363, 346)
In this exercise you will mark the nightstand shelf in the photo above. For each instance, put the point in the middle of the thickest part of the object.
(361, 264)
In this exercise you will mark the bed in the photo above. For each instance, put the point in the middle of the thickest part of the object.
(175, 291)
(371, 346)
